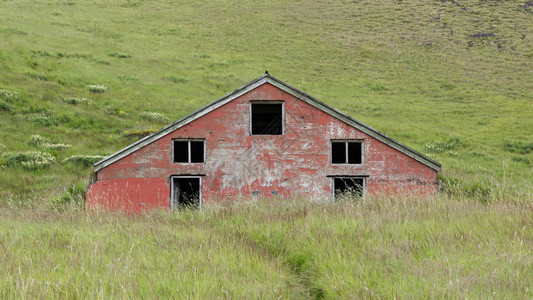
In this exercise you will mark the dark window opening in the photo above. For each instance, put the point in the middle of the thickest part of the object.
(348, 186)
(343, 152)
(186, 192)
(338, 152)
(267, 118)
(189, 151)
(181, 151)
(197, 151)
(354, 153)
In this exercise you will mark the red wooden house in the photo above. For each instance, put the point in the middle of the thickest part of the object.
(265, 139)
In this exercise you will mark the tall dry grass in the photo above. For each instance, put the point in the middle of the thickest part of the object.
(383, 247)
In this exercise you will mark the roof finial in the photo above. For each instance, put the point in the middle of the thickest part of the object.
(266, 73)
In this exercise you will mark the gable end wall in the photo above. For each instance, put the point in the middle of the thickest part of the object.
(237, 163)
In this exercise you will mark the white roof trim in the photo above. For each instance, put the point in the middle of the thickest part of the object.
(266, 78)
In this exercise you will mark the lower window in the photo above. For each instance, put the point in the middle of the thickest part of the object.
(348, 186)
(186, 192)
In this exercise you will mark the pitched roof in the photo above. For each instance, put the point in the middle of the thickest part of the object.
(267, 78)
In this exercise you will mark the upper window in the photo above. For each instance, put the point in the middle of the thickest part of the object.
(346, 152)
(189, 151)
(267, 118)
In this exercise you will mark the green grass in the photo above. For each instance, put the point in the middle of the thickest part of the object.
(422, 73)
(451, 79)
(374, 248)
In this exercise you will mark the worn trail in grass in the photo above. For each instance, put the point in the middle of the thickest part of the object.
(414, 248)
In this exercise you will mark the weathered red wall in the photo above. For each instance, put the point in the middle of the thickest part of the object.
(238, 163)
(132, 194)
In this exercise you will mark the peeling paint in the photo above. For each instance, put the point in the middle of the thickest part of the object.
(237, 163)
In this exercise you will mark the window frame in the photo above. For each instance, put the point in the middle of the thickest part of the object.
(188, 150)
(172, 189)
(252, 102)
(350, 177)
(346, 141)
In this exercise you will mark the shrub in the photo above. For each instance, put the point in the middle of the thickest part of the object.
(154, 117)
(8, 95)
(2, 148)
(76, 101)
(443, 145)
(97, 88)
(83, 160)
(31, 160)
(517, 147)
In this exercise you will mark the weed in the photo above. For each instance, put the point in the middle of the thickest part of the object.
(175, 79)
(139, 133)
(217, 63)
(38, 76)
(154, 117)
(441, 146)
(73, 196)
(111, 110)
(97, 88)
(42, 119)
(57, 147)
(102, 61)
(521, 159)
(83, 160)
(12, 31)
(8, 96)
(482, 190)
(76, 101)
(376, 86)
(127, 78)
(119, 55)
(4, 106)
(41, 142)
(31, 160)
(37, 140)
(517, 147)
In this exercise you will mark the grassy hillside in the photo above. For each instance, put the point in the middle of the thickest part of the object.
(378, 248)
(450, 79)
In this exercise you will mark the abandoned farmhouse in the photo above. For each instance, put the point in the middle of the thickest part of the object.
(265, 139)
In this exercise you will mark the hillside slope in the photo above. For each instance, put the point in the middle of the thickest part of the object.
(452, 79)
